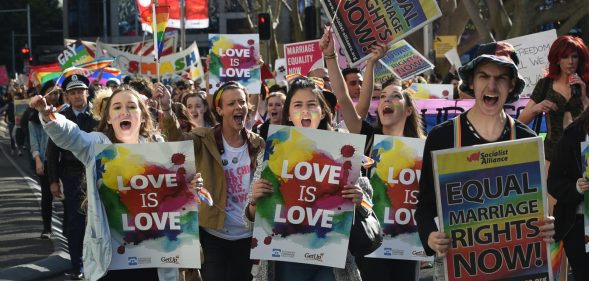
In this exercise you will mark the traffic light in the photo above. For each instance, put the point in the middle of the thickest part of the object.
(264, 26)
(25, 51)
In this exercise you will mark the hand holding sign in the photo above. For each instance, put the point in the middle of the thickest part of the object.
(439, 242)
(354, 193)
(547, 229)
(326, 42)
(378, 51)
(261, 188)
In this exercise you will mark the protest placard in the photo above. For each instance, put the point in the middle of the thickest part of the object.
(403, 60)
(453, 57)
(280, 69)
(442, 44)
(183, 63)
(491, 203)
(4, 80)
(74, 54)
(303, 57)
(361, 23)
(432, 91)
(233, 58)
(395, 184)
(532, 51)
(342, 61)
(585, 158)
(305, 219)
(383, 73)
(150, 204)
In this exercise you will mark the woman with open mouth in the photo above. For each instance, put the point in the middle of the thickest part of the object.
(304, 107)
(198, 107)
(226, 156)
(126, 120)
(274, 107)
(396, 116)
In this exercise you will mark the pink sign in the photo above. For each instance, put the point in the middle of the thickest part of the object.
(3, 76)
(303, 57)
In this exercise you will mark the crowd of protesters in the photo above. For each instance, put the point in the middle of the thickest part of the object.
(63, 120)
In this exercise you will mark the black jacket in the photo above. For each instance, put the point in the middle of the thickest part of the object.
(61, 161)
(565, 170)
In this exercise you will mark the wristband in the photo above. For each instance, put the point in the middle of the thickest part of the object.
(330, 56)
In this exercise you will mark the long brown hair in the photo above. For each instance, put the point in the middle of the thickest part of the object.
(208, 113)
(146, 128)
(182, 113)
(413, 123)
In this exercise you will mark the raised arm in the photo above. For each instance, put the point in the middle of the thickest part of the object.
(363, 105)
(353, 121)
(170, 126)
(65, 133)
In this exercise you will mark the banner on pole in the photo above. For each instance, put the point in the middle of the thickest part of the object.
(404, 61)
(74, 54)
(183, 63)
(360, 24)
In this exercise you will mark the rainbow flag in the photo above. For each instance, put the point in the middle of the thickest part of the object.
(205, 196)
(162, 14)
(96, 64)
(107, 73)
(41, 74)
(77, 54)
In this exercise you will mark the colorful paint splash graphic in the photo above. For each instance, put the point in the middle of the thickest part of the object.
(117, 161)
(297, 148)
(222, 62)
(394, 153)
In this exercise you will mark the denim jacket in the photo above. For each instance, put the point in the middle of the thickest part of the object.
(97, 240)
(38, 139)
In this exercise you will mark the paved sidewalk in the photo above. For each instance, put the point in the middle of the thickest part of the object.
(23, 255)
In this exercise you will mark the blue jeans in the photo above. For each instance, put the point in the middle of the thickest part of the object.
(292, 271)
(75, 218)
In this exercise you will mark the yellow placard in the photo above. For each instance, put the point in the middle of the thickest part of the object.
(481, 157)
(443, 44)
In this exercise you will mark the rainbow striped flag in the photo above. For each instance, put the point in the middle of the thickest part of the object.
(41, 74)
(107, 73)
(162, 15)
(78, 54)
(205, 197)
(96, 64)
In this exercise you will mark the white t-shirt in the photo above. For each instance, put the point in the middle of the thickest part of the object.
(236, 163)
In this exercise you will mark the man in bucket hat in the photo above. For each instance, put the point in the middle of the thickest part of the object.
(492, 79)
